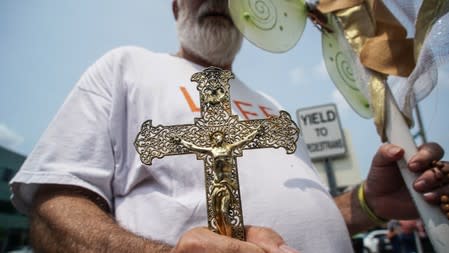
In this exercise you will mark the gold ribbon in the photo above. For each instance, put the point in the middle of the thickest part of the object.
(328, 6)
(377, 92)
(375, 34)
(388, 51)
(381, 43)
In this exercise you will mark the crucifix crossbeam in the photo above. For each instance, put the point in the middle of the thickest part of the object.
(218, 138)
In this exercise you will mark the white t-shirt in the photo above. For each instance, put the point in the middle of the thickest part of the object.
(90, 144)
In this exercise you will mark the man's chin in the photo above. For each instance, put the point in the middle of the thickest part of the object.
(217, 22)
(216, 40)
(215, 17)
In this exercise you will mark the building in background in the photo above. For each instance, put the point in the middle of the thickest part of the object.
(346, 168)
(13, 226)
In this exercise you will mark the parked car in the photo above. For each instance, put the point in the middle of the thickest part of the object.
(376, 241)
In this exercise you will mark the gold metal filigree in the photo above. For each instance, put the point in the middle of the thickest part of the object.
(218, 138)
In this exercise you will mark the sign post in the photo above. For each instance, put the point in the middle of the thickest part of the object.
(323, 135)
(322, 132)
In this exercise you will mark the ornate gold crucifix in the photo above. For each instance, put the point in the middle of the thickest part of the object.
(218, 137)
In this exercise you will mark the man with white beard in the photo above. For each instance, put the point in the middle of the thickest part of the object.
(86, 189)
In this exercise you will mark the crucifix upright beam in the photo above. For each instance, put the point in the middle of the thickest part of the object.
(218, 138)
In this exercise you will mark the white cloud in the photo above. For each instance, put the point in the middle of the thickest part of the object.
(340, 101)
(9, 138)
(443, 77)
(320, 71)
(298, 75)
(308, 75)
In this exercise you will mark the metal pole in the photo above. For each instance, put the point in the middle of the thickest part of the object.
(330, 177)
(418, 242)
(421, 130)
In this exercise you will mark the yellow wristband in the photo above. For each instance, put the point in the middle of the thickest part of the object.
(366, 209)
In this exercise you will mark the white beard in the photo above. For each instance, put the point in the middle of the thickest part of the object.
(214, 40)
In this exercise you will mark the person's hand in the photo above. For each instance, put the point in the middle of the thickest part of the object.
(385, 190)
(258, 240)
(434, 179)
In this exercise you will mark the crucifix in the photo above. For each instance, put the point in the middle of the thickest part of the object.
(218, 138)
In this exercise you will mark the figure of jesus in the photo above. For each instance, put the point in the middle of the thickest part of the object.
(223, 187)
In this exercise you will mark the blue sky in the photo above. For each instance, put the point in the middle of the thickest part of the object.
(46, 45)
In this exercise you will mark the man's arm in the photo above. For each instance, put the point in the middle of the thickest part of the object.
(72, 219)
(178, 140)
(385, 193)
(356, 220)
